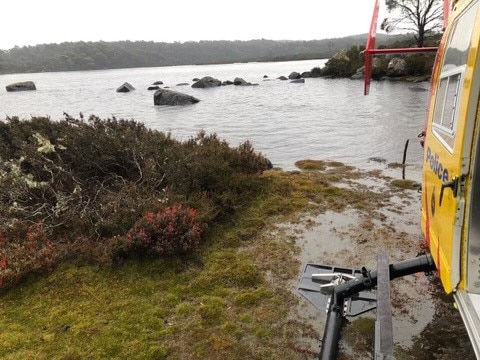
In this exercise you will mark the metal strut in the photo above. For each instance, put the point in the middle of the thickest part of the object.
(383, 325)
(351, 289)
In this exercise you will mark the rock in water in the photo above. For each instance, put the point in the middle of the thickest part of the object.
(21, 86)
(294, 75)
(240, 81)
(126, 87)
(173, 98)
(207, 82)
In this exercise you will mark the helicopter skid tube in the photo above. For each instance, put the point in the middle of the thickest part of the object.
(333, 325)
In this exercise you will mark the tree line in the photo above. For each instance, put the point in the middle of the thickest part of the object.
(70, 56)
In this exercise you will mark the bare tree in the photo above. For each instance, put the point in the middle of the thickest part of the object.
(423, 17)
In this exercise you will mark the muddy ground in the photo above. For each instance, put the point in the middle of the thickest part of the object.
(426, 324)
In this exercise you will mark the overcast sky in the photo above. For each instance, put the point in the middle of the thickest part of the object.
(31, 22)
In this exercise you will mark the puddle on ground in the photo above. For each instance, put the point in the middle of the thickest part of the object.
(339, 239)
(323, 240)
(352, 239)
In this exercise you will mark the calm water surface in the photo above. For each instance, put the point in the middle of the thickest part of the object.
(320, 119)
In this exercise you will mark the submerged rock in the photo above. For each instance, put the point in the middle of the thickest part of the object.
(173, 98)
(21, 86)
(417, 89)
(241, 82)
(126, 87)
(297, 81)
(154, 87)
(377, 159)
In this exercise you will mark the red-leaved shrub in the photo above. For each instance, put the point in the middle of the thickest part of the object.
(168, 232)
(24, 250)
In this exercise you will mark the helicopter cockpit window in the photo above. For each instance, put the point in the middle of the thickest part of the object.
(460, 38)
(452, 77)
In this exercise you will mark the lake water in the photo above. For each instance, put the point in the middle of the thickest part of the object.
(320, 119)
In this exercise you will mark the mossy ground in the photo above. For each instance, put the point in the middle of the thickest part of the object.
(230, 300)
(226, 301)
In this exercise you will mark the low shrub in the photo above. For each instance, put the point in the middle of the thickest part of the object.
(171, 231)
(24, 250)
(419, 64)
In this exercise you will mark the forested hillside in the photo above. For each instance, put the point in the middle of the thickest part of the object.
(125, 54)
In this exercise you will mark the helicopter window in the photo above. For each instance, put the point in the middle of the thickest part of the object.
(449, 87)
(459, 42)
(445, 123)
(450, 103)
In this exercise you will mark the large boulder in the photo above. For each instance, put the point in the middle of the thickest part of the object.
(359, 74)
(294, 75)
(21, 86)
(207, 82)
(125, 87)
(173, 98)
(377, 70)
(397, 67)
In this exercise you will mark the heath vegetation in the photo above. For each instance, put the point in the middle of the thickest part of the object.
(103, 190)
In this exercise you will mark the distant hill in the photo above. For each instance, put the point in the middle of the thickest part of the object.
(69, 56)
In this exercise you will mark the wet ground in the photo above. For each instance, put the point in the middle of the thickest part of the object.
(425, 323)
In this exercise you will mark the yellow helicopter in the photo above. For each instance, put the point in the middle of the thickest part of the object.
(450, 214)
(451, 164)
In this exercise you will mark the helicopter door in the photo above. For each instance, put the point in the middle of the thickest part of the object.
(448, 146)
(473, 247)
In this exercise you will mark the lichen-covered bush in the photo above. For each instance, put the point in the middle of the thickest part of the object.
(94, 179)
